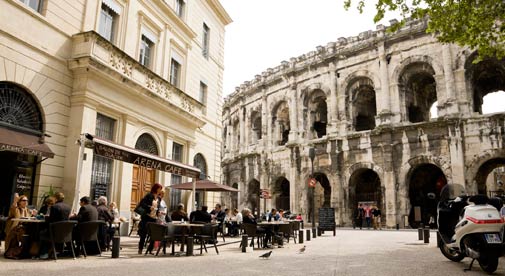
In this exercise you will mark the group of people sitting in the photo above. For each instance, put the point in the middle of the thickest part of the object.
(54, 210)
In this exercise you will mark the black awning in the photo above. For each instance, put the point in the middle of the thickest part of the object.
(115, 151)
(15, 141)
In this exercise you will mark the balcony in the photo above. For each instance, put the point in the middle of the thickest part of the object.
(91, 51)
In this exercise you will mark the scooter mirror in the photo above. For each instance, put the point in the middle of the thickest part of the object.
(431, 195)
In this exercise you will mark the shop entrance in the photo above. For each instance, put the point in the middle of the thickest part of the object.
(143, 178)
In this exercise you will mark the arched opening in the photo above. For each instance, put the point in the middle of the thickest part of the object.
(143, 178)
(199, 162)
(425, 183)
(317, 117)
(281, 193)
(365, 188)
(255, 130)
(253, 196)
(493, 102)
(19, 113)
(419, 91)
(484, 77)
(322, 193)
(235, 136)
(491, 176)
(234, 197)
(362, 104)
(280, 123)
(434, 110)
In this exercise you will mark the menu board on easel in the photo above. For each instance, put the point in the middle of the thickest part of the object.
(100, 189)
(23, 181)
(327, 219)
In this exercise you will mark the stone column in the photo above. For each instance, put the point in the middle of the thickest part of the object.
(384, 110)
(125, 175)
(241, 141)
(333, 108)
(293, 111)
(451, 101)
(265, 135)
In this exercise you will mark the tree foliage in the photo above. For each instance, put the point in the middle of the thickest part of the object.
(478, 24)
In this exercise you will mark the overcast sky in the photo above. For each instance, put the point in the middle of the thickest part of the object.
(265, 32)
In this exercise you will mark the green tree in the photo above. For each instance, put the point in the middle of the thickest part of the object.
(478, 24)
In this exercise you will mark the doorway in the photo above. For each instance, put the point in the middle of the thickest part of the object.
(143, 178)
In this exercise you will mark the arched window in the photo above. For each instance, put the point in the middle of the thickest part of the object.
(19, 109)
(199, 162)
(147, 144)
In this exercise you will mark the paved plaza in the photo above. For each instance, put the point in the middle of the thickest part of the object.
(350, 252)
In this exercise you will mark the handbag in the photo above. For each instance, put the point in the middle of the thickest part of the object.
(140, 210)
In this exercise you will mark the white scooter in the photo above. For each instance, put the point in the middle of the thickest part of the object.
(470, 227)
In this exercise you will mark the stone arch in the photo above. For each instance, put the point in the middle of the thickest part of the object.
(234, 196)
(281, 193)
(21, 108)
(361, 104)
(200, 162)
(484, 77)
(280, 123)
(315, 113)
(146, 143)
(351, 177)
(142, 132)
(480, 166)
(253, 196)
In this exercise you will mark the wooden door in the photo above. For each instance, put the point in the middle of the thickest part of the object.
(142, 180)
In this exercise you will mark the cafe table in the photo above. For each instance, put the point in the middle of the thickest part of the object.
(186, 230)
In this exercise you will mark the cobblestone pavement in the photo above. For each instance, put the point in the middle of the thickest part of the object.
(350, 252)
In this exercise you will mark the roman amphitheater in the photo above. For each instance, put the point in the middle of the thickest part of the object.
(363, 104)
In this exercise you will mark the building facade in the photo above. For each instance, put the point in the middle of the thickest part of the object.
(143, 74)
(363, 104)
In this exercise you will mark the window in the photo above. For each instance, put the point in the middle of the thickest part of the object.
(202, 97)
(205, 42)
(179, 8)
(175, 195)
(146, 49)
(108, 19)
(34, 4)
(101, 171)
(175, 73)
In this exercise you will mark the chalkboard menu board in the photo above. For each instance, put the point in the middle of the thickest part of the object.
(100, 189)
(327, 219)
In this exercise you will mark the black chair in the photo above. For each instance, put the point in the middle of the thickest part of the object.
(251, 231)
(158, 232)
(88, 231)
(206, 233)
(61, 232)
(287, 231)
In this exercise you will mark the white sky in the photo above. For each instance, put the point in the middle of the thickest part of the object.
(265, 32)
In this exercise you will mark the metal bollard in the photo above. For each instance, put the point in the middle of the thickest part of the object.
(300, 236)
(319, 232)
(420, 233)
(426, 235)
(116, 241)
(308, 234)
(314, 233)
(397, 226)
(302, 225)
(438, 239)
(280, 241)
(244, 241)
(189, 247)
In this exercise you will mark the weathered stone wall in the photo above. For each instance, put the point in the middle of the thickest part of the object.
(364, 104)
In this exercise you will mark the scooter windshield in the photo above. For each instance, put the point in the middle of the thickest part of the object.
(452, 191)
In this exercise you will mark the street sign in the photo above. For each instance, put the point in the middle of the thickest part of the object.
(312, 182)
(265, 193)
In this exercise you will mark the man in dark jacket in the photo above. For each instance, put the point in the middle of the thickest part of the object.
(86, 212)
(60, 210)
(201, 215)
(107, 232)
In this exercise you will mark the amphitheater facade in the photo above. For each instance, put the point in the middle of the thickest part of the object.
(363, 104)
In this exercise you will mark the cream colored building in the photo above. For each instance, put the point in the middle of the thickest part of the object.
(141, 73)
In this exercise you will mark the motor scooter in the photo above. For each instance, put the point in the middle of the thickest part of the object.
(469, 226)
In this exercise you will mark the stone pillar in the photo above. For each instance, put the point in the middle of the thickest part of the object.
(333, 108)
(293, 112)
(241, 123)
(265, 134)
(456, 155)
(384, 110)
(125, 174)
(390, 199)
(451, 101)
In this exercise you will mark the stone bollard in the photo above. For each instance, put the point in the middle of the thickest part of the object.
(243, 243)
(300, 236)
(116, 241)
(426, 235)
(308, 234)
(189, 247)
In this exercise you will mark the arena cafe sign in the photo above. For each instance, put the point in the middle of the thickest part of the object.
(22, 150)
(118, 152)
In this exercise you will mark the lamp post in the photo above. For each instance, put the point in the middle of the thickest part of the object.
(312, 155)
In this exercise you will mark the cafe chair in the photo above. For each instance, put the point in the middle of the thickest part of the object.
(206, 233)
(157, 233)
(135, 223)
(251, 231)
(88, 231)
(61, 232)
(287, 231)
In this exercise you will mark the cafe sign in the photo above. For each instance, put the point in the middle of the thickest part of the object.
(122, 153)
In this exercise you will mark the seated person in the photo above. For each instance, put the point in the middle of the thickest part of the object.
(249, 218)
(48, 202)
(86, 212)
(201, 215)
(273, 215)
(179, 214)
(18, 209)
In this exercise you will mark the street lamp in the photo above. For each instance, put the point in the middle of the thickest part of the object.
(312, 155)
